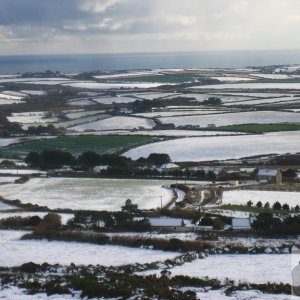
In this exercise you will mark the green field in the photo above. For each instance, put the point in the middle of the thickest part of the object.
(256, 128)
(78, 144)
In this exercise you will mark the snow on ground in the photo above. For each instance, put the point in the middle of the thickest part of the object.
(127, 74)
(271, 76)
(8, 101)
(111, 100)
(229, 213)
(165, 114)
(264, 101)
(14, 293)
(14, 252)
(240, 295)
(4, 206)
(243, 196)
(91, 194)
(32, 117)
(81, 114)
(253, 94)
(9, 96)
(252, 117)
(20, 171)
(116, 123)
(64, 217)
(100, 85)
(253, 268)
(158, 95)
(255, 242)
(174, 133)
(34, 92)
(7, 142)
(7, 179)
(245, 86)
(222, 147)
(231, 79)
(83, 102)
(186, 236)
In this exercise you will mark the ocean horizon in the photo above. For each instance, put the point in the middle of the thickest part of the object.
(131, 61)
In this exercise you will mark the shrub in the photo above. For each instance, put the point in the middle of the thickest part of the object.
(50, 223)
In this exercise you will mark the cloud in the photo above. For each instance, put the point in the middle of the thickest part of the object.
(156, 25)
(97, 6)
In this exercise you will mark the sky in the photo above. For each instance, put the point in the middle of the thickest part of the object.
(122, 26)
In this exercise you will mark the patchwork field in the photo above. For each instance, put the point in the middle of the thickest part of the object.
(89, 194)
(222, 147)
(253, 117)
(261, 268)
(116, 123)
(15, 252)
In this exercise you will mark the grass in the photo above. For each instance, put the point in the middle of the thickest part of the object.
(256, 128)
(252, 209)
(79, 144)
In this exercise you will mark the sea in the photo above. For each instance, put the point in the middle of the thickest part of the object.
(134, 61)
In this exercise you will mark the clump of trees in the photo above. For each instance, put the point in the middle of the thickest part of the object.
(50, 223)
(50, 159)
(121, 220)
(267, 223)
(155, 159)
(50, 129)
(212, 101)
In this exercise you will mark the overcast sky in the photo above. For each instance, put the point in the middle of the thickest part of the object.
(106, 26)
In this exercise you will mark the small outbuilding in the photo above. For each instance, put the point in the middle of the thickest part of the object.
(241, 224)
(269, 176)
(170, 224)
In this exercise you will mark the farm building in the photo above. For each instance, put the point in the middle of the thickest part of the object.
(241, 224)
(170, 224)
(269, 176)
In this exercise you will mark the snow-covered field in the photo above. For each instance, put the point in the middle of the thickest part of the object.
(263, 101)
(32, 117)
(271, 76)
(20, 171)
(171, 133)
(243, 196)
(90, 194)
(159, 114)
(7, 179)
(116, 123)
(257, 268)
(222, 147)
(257, 86)
(7, 142)
(111, 100)
(104, 86)
(258, 117)
(64, 217)
(231, 78)
(15, 252)
(34, 92)
(4, 206)
(8, 101)
(239, 295)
